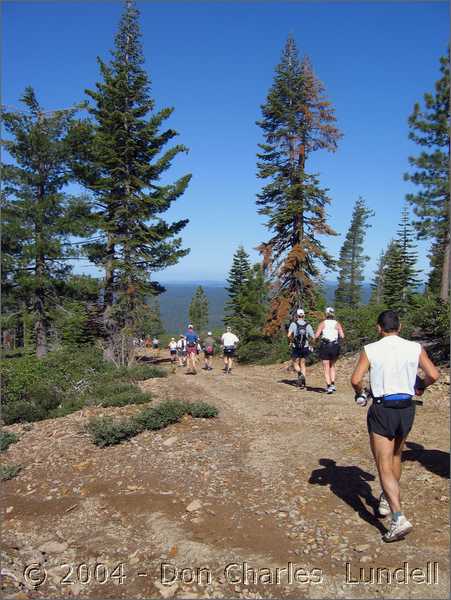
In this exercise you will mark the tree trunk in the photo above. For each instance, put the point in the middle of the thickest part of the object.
(41, 326)
(444, 288)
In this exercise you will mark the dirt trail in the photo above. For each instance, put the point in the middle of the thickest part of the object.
(284, 490)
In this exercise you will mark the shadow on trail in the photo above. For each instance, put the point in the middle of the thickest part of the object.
(350, 485)
(435, 461)
(308, 388)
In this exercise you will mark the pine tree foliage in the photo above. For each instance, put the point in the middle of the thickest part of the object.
(238, 277)
(38, 216)
(198, 310)
(352, 258)
(401, 274)
(430, 129)
(377, 285)
(121, 158)
(297, 120)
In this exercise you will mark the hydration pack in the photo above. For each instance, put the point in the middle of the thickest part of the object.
(300, 338)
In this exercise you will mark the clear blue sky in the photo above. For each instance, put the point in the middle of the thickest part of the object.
(214, 62)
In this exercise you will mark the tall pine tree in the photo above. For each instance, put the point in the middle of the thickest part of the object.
(429, 128)
(352, 259)
(237, 280)
(198, 310)
(377, 285)
(401, 274)
(121, 161)
(38, 215)
(296, 121)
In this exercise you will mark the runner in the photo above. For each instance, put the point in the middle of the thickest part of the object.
(331, 332)
(192, 340)
(392, 363)
(156, 344)
(299, 334)
(173, 352)
(209, 343)
(229, 341)
(181, 350)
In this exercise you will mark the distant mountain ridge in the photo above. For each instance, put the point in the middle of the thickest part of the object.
(174, 303)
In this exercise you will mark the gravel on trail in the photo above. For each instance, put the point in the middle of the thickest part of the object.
(274, 498)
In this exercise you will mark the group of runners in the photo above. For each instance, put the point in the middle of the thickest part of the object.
(189, 346)
(392, 363)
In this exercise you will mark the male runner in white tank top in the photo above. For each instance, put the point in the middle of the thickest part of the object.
(392, 363)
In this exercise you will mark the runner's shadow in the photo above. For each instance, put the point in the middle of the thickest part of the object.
(435, 461)
(294, 383)
(350, 484)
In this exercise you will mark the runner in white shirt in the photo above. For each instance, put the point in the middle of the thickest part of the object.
(229, 341)
(173, 352)
(392, 363)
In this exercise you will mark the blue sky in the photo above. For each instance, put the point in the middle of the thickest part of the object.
(214, 62)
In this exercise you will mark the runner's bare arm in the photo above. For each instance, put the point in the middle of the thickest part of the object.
(319, 330)
(341, 332)
(430, 371)
(359, 372)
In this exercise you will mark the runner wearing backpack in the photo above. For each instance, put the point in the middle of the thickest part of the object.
(192, 339)
(209, 351)
(229, 341)
(331, 333)
(299, 334)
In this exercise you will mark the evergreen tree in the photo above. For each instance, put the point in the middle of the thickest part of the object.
(120, 160)
(198, 310)
(296, 121)
(38, 215)
(237, 279)
(429, 128)
(377, 285)
(401, 274)
(352, 260)
(252, 303)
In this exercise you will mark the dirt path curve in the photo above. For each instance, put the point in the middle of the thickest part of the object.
(274, 498)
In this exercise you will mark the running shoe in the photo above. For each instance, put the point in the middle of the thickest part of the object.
(398, 530)
(333, 387)
(384, 507)
(329, 390)
(301, 380)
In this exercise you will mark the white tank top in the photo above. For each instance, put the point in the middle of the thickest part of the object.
(393, 365)
(330, 331)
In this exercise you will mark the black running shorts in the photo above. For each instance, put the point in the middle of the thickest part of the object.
(229, 352)
(329, 350)
(390, 422)
(300, 353)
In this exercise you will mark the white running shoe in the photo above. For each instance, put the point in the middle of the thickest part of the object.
(329, 389)
(384, 507)
(398, 530)
(332, 387)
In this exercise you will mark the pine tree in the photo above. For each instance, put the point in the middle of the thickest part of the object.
(377, 285)
(352, 259)
(198, 310)
(38, 215)
(252, 303)
(401, 274)
(297, 121)
(429, 128)
(119, 160)
(237, 279)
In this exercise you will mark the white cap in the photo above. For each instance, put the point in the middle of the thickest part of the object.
(329, 310)
(190, 326)
(229, 328)
(209, 333)
(300, 312)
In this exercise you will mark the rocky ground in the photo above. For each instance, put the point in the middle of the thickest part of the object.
(274, 498)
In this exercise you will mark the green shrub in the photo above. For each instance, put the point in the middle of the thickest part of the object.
(6, 439)
(202, 410)
(9, 471)
(22, 411)
(142, 372)
(125, 398)
(106, 432)
(166, 413)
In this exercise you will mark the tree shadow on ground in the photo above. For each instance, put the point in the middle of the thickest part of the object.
(350, 484)
(435, 461)
(308, 388)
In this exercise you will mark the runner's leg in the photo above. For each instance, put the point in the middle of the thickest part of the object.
(383, 450)
(326, 366)
(332, 371)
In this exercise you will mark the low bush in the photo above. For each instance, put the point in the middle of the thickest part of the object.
(133, 396)
(6, 439)
(202, 410)
(142, 372)
(106, 432)
(9, 471)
